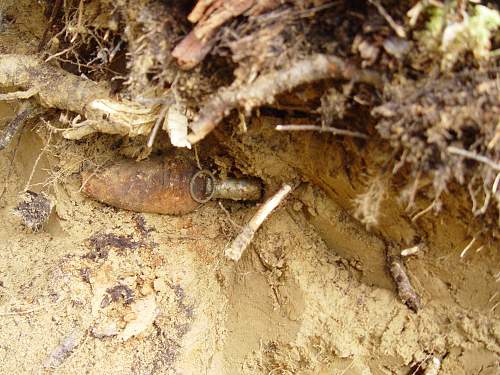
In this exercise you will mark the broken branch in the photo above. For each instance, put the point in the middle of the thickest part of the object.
(241, 242)
(265, 88)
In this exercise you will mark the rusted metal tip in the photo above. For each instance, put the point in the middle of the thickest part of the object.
(245, 189)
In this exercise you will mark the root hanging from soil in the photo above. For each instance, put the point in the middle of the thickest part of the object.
(448, 128)
(368, 205)
(266, 87)
(406, 291)
(209, 16)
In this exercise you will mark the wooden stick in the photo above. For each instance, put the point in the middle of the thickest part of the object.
(157, 126)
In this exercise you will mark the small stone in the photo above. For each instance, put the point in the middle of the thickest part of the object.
(146, 289)
(159, 285)
(397, 47)
(128, 317)
(34, 209)
(297, 206)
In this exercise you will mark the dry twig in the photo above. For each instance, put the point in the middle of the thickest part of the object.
(265, 88)
(398, 29)
(157, 126)
(241, 242)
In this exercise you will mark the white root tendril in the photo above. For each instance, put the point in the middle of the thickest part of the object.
(320, 129)
(433, 366)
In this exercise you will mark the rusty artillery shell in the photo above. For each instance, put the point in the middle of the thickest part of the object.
(157, 185)
(170, 185)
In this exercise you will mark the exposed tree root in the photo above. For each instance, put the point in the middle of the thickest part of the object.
(448, 129)
(241, 242)
(398, 272)
(15, 126)
(56, 88)
(210, 16)
(265, 88)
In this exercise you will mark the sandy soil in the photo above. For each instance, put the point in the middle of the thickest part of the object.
(311, 295)
(105, 291)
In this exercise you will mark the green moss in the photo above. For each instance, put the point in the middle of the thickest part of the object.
(472, 34)
(452, 39)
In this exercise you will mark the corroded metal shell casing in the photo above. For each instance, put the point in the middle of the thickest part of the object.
(157, 185)
(244, 189)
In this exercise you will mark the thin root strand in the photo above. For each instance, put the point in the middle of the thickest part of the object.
(320, 129)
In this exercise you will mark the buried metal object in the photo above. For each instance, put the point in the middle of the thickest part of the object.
(170, 185)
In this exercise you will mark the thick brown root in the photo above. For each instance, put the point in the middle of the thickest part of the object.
(210, 16)
(406, 291)
(265, 88)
